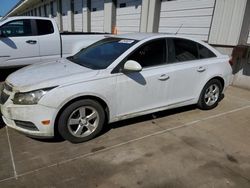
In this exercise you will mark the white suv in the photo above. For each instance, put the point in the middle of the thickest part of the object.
(116, 78)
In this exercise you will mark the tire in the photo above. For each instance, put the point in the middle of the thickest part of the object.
(212, 90)
(81, 121)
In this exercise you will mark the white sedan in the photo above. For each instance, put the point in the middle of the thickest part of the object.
(116, 78)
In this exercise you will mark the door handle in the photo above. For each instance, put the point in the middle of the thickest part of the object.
(31, 41)
(201, 69)
(163, 77)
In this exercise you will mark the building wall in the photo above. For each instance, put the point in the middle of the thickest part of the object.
(248, 40)
(227, 22)
(217, 21)
(128, 16)
(187, 17)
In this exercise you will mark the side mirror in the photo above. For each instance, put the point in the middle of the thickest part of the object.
(132, 66)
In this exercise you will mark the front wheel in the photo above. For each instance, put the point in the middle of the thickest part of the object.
(81, 121)
(210, 95)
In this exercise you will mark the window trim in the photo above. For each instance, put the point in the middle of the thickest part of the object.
(117, 68)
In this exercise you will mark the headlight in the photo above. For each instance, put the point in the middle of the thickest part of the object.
(29, 98)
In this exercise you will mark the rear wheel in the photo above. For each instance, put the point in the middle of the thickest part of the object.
(81, 121)
(210, 95)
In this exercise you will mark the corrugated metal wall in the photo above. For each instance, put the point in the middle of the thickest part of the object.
(55, 11)
(128, 16)
(78, 4)
(227, 22)
(65, 9)
(248, 40)
(191, 17)
(97, 15)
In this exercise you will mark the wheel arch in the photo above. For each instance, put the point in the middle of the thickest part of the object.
(222, 81)
(91, 97)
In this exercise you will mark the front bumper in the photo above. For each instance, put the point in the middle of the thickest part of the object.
(29, 113)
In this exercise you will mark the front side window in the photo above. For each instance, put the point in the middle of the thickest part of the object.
(102, 53)
(180, 50)
(17, 28)
(151, 54)
(44, 27)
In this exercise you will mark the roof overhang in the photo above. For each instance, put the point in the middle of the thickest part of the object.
(22, 6)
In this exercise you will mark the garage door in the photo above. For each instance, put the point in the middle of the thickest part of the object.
(54, 9)
(97, 15)
(128, 16)
(191, 17)
(47, 8)
(78, 15)
(65, 9)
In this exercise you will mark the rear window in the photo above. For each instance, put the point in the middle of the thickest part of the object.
(44, 27)
(204, 52)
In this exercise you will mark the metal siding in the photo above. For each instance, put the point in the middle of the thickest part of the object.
(65, 9)
(42, 11)
(55, 12)
(48, 10)
(128, 18)
(191, 17)
(227, 22)
(97, 17)
(78, 4)
(248, 40)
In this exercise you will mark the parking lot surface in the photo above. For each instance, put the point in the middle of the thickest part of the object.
(184, 147)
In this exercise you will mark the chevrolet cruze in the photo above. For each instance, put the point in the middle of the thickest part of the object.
(116, 78)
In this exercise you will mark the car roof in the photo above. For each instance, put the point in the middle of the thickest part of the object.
(139, 36)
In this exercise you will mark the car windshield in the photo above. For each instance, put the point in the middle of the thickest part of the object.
(102, 53)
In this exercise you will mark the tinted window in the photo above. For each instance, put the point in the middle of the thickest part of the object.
(182, 50)
(204, 52)
(151, 54)
(102, 54)
(44, 27)
(17, 28)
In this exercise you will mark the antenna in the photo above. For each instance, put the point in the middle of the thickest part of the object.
(178, 29)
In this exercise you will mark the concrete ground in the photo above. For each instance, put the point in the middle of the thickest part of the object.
(185, 147)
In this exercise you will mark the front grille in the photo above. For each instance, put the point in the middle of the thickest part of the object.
(7, 87)
(26, 125)
(3, 97)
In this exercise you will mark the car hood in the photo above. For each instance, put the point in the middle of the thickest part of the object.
(48, 75)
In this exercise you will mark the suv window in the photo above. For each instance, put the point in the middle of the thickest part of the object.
(204, 52)
(150, 54)
(17, 28)
(182, 50)
(44, 27)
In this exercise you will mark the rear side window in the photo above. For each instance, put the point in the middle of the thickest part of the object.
(44, 27)
(150, 54)
(17, 28)
(204, 52)
(180, 50)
